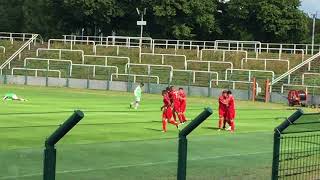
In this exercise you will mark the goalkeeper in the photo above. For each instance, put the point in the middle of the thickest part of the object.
(12, 96)
(137, 96)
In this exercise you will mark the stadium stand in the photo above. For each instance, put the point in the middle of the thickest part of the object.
(221, 63)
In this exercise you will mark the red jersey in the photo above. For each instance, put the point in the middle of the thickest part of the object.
(183, 97)
(222, 103)
(170, 96)
(166, 101)
(231, 108)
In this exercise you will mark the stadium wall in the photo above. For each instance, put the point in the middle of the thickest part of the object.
(115, 86)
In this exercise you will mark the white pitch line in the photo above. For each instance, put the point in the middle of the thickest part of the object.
(134, 165)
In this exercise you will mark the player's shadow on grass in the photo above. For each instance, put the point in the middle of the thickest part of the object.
(211, 128)
(152, 129)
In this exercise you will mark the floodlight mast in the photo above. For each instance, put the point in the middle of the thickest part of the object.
(314, 17)
(141, 23)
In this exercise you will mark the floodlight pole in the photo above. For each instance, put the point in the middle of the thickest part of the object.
(314, 16)
(141, 23)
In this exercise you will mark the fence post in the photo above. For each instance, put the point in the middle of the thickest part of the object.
(47, 78)
(189, 83)
(267, 93)
(254, 89)
(276, 151)
(209, 88)
(108, 79)
(88, 77)
(5, 78)
(128, 80)
(68, 75)
(26, 73)
(49, 161)
(183, 142)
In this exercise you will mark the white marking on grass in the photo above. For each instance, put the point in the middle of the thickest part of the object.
(133, 165)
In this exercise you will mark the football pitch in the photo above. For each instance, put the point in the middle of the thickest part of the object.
(115, 142)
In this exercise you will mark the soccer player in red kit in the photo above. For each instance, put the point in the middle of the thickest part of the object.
(231, 112)
(223, 103)
(183, 105)
(175, 104)
(167, 112)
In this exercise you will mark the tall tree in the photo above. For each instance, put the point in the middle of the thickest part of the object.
(266, 20)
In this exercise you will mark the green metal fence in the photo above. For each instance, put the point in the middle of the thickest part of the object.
(297, 148)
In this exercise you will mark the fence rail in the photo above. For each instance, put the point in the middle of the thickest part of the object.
(36, 71)
(135, 76)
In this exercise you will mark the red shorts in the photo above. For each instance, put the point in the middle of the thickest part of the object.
(167, 113)
(183, 106)
(177, 107)
(231, 115)
(222, 113)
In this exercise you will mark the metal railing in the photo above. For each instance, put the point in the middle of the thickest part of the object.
(223, 53)
(249, 72)
(18, 52)
(25, 62)
(72, 43)
(209, 63)
(20, 36)
(265, 62)
(193, 72)
(294, 69)
(106, 58)
(306, 87)
(60, 52)
(304, 74)
(213, 81)
(135, 76)
(117, 46)
(168, 55)
(36, 71)
(3, 49)
(149, 68)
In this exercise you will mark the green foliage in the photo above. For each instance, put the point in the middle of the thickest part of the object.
(264, 20)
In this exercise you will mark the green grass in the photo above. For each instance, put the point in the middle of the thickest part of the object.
(113, 142)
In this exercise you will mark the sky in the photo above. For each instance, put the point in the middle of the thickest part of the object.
(310, 6)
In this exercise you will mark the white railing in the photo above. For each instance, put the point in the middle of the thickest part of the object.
(48, 62)
(106, 58)
(18, 52)
(168, 55)
(250, 71)
(128, 41)
(238, 45)
(60, 52)
(265, 62)
(71, 69)
(117, 46)
(20, 36)
(213, 81)
(135, 77)
(223, 53)
(294, 69)
(7, 38)
(35, 70)
(195, 71)
(176, 48)
(3, 49)
(210, 62)
(256, 46)
(72, 43)
(149, 66)
(95, 66)
(304, 74)
(306, 87)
